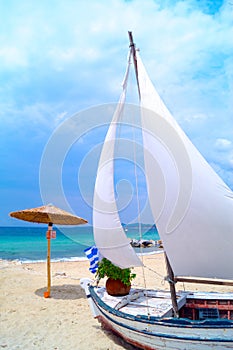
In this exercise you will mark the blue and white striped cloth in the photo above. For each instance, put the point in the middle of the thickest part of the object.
(92, 254)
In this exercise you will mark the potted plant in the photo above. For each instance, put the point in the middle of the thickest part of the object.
(119, 280)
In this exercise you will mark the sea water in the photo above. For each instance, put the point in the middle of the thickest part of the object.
(29, 244)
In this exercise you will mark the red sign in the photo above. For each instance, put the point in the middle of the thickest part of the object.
(51, 234)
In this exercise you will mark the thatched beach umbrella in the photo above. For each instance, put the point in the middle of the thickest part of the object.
(48, 214)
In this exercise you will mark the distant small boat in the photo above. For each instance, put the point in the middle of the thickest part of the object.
(192, 208)
(144, 243)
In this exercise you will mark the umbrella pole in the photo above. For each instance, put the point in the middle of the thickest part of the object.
(48, 267)
(48, 235)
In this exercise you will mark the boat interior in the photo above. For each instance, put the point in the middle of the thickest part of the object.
(191, 305)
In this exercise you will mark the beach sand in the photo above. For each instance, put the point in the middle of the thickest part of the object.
(63, 321)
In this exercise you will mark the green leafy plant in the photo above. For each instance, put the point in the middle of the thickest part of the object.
(108, 269)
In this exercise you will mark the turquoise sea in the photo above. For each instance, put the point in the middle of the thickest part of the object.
(29, 244)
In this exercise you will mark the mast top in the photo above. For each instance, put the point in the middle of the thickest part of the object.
(131, 39)
(132, 47)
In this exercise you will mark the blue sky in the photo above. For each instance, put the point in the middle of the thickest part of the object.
(58, 58)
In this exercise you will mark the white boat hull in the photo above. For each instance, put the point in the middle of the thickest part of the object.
(151, 337)
(163, 333)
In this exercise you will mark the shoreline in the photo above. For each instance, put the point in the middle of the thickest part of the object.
(72, 259)
(63, 321)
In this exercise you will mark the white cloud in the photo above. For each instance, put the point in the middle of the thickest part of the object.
(196, 117)
(12, 57)
(223, 144)
(34, 118)
(60, 117)
(231, 160)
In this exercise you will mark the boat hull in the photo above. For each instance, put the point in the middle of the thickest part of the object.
(164, 334)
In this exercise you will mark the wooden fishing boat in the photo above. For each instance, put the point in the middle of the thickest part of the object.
(192, 207)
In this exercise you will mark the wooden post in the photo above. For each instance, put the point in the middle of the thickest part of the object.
(172, 286)
(48, 236)
(48, 267)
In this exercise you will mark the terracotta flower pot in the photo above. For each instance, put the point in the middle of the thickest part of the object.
(116, 287)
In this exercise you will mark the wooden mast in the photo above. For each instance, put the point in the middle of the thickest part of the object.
(171, 281)
(170, 273)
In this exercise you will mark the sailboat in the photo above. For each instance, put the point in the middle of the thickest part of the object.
(192, 207)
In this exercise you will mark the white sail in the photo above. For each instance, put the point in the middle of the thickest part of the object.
(191, 205)
(109, 235)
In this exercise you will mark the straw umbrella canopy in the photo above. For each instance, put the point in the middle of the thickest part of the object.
(48, 214)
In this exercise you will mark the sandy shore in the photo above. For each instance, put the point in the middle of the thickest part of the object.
(64, 321)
